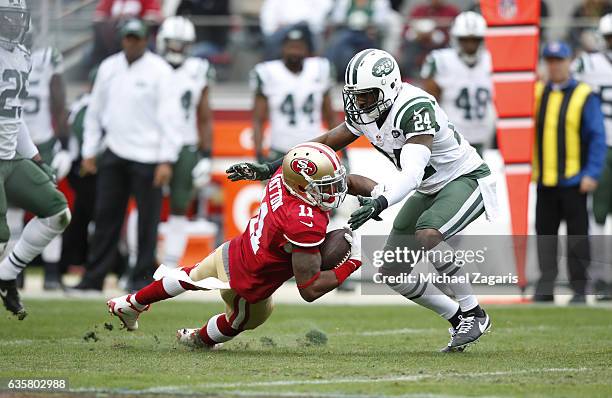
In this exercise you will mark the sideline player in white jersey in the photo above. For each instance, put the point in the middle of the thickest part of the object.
(453, 184)
(461, 80)
(188, 98)
(595, 69)
(44, 109)
(293, 93)
(24, 180)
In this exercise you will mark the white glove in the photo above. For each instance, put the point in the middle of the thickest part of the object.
(61, 163)
(201, 173)
(355, 241)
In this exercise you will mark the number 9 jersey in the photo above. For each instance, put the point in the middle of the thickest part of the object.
(260, 258)
(15, 67)
(467, 92)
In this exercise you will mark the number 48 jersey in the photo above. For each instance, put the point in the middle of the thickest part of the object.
(595, 69)
(294, 100)
(260, 258)
(467, 92)
(15, 67)
(413, 113)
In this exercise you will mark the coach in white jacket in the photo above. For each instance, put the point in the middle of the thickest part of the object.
(127, 114)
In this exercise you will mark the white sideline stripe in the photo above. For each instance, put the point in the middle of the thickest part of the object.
(385, 379)
(281, 383)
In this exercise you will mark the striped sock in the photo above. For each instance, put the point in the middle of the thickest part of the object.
(162, 289)
(11, 266)
(217, 330)
(464, 292)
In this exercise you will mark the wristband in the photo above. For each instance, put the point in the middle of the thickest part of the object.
(309, 281)
(347, 268)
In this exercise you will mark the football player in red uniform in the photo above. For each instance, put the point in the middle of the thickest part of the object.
(280, 242)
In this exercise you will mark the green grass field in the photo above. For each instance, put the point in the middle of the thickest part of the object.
(370, 351)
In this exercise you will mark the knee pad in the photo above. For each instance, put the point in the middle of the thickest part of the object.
(58, 222)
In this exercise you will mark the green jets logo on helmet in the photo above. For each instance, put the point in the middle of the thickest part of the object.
(383, 67)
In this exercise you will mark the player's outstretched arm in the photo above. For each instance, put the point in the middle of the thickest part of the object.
(360, 185)
(337, 138)
(313, 283)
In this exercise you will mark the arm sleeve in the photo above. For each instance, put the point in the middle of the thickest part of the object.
(413, 159)
(305, 231)
(170, 139)
(352, 128)
(594, 133)
(25, 146)
(92, 132)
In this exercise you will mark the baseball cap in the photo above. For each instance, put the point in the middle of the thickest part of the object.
(557, 49)
(134, 27)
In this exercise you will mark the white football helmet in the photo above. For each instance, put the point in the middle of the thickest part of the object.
(605, 25)
(14, 23)
(468, 24)
(370, 71)
(174, 39)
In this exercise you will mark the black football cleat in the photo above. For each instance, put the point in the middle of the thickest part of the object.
(11, 300)
(470, 330)
(448, 349)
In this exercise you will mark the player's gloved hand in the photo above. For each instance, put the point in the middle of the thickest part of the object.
(62, 163)
(249, 171)
(354, 238)
(201, 173)
(370, 208)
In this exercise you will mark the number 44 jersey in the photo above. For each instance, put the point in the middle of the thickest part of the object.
(467, 92)
(15, 67)
(260, 258)
(294, 99)
(413, 113)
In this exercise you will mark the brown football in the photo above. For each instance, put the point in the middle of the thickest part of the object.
(335, 250)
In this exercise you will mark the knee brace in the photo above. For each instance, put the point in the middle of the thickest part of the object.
(58, 222)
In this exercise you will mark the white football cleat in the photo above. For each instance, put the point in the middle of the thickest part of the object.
(123, 308)
(191, 338)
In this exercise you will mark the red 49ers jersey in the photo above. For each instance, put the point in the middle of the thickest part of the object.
(259, 261)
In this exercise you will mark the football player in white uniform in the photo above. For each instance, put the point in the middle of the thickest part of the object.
(26, 182)
(293, 93)
(453, 184)
(595, 69)
(461, 80)
(188, 91)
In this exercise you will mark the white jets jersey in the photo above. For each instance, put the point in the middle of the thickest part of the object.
(15, 67)
(185, 91)
(467, 92)
(294, 100)
(415, 112)
(46, 62)
(595, 69)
